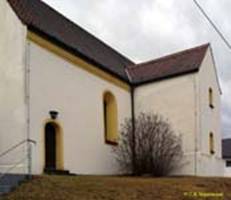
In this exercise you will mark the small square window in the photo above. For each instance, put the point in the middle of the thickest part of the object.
(228, 163)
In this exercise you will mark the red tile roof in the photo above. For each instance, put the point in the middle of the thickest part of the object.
(44, 20)
(172, 65)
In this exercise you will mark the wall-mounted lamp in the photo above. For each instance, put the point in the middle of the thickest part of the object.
(53, 114)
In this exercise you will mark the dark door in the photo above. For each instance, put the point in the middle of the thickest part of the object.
(50, 147)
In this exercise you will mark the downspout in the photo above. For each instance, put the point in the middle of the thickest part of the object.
(27, 95)
(196, 128)
(132, 121)
(133, 128)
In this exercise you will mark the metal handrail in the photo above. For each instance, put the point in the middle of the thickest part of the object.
(29, 141)
(16, 146)
(11, 168)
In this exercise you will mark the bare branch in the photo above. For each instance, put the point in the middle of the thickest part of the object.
(158, 149)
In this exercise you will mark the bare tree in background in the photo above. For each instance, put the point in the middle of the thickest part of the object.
(151, 148)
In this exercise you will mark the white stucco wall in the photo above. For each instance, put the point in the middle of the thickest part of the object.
(174, 99)
(56, 84)
(184, 102)
(77, 95)
(227, 172)
(12, 87)
(209, 120)
(227, 169)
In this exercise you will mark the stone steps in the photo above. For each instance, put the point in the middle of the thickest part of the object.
(57, 172)
(10, 181)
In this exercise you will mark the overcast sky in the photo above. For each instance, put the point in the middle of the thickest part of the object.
(144, 30)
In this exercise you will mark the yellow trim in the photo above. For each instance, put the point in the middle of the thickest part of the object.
(78, 62)
(111, 121)
(59, 143)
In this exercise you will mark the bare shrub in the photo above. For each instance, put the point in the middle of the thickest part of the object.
(148, 147)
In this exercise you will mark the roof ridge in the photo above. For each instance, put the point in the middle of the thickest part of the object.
(182, 52)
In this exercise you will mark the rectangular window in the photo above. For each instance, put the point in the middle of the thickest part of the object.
(105, 117)
(211, 143)
(211, 103)
(110, 119)
(228, 163)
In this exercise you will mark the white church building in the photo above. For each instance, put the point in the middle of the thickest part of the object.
(68, 92)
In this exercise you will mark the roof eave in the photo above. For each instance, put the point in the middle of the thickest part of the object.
(141, 83)
(215, 68)
(226, 157)
(75, 52)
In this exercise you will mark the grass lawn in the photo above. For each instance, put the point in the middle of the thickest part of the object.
(121, 188)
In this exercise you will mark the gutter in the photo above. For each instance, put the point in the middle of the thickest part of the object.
(132, 118)
(197, 103)
(77, 53)
(126, 79)
(27, 100)
(133, 126)
(144, 82)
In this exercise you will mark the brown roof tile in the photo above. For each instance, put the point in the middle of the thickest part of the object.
(172, 65)
(44, 20)
(41, 18)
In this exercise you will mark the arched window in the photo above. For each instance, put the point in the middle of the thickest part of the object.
(110, 118)
(211, 143)
(211, 103)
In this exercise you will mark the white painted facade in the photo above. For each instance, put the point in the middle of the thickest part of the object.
(184, 101)
(34, 81)
(13, 128)
(174, 99)
(209, 119)
(227, 168)
(78, 96)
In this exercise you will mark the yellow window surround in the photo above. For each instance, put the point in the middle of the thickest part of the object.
(110, 118)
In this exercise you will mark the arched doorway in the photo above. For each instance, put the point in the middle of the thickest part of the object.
(53, 147)
(50, 147)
